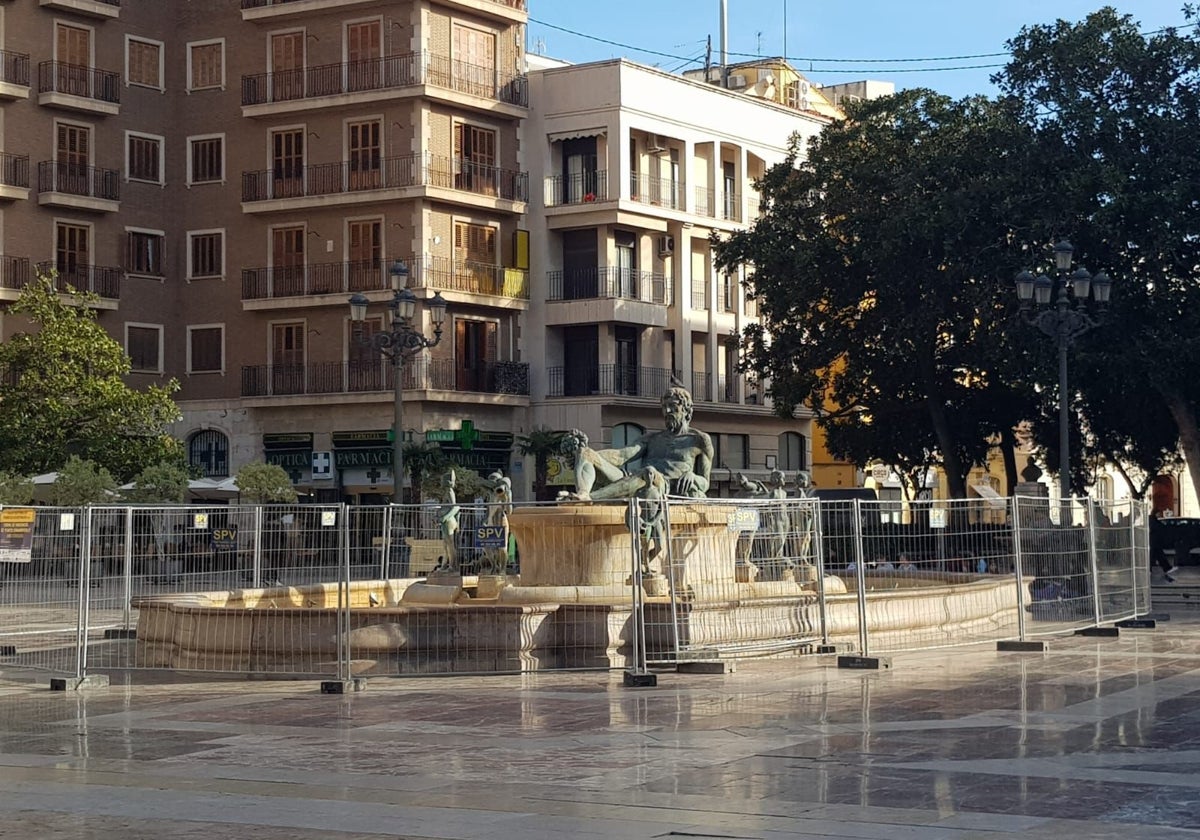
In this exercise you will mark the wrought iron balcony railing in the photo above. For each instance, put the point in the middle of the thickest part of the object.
(15, 272)
(102, 280)
(372, 275)
(608, 281)
(297, 181)
(384, 73)
(607, 380)
(14, 170)
(377, 375)
(14, 68)
(74, 179)
(659, 192)
(78, 80)
(578, 188)
(262, 4)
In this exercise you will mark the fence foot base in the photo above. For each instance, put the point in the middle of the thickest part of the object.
(864, 663)
(1014, 646)
(636, 680)
(1104, 632)
(705, 668)
(8, 650)
(342, 686)
(1137, 624)
(78, 683)
(120, 634)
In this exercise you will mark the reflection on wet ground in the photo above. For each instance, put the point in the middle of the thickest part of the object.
(1097, 738)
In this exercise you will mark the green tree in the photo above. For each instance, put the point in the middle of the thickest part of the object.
(882, 269)
(265, 484)
(62, 392)
(159, 483)
(15, 489)
(1128, 105)
(422, 460)
(541, 443)
(82, 482)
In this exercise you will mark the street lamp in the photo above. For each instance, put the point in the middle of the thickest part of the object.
(399, 343)
(1058, 307)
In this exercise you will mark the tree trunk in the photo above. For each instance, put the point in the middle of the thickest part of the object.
(1184, 414)
(1008, 451)
(955, 475)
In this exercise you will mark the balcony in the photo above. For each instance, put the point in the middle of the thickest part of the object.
(355, 82)
(706, 202)
(656, 192)
(508, 11)
(731, 207)
(15, 274)
(14, 177)
(295, 187)
(580, 188)
(104, 9)
(101, 280)
(727, 388)
(14, 75)
(608, 380)
(78, 88)
(500, 378)
(79, 187)
(342, 278)
(609, 282)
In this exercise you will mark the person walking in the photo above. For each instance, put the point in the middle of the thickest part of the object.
(1158, 552)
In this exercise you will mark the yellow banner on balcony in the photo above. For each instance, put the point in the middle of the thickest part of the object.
(516, 284)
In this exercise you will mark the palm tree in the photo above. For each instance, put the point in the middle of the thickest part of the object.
(541, 443)
(421, 459)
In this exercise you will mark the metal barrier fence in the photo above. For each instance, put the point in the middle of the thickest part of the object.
(334, 591)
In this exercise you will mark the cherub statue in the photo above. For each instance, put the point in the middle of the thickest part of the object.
(499, 506)
(449, 523)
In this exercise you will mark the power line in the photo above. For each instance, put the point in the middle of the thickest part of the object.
(811, 60)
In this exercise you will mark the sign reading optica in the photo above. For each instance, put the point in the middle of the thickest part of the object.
(16, 535)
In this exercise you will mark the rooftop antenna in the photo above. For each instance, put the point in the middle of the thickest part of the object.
(725, 43)
(539, 46)
(785, 54)
(758, 36)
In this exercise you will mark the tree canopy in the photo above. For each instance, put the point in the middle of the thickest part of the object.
(63, 393)
(882, 267)
(261, 483)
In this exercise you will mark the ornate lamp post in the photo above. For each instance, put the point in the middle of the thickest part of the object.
(400, 343)
(1058, 307)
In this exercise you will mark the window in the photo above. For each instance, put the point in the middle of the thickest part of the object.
(732, 451)
(474, 159)
(474, 61)
(208, 451)
(792, 451)
(626, 434)
(144, 252)
(206, 159)
(206, 253)
(143, 343)
(72, 252)
(143, 157)
(206, 65)
(143, 63)
(206, 349)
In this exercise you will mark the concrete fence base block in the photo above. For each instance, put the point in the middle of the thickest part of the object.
(342, 686)
(633, 679)
(705, 668)
(1014, 646)
(864, 663)
(79, 683)
(1137, 624)
(1102, 632)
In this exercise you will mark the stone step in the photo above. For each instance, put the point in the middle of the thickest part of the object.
(1185, 595)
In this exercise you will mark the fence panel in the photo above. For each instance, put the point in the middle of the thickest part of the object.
(1056, 565)
(40, 600)
(734, 578)
(1116, 569)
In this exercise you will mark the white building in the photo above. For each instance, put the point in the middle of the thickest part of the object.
(633, 170)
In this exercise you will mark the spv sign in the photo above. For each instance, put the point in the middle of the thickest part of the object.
(224, 539)
(491, 536)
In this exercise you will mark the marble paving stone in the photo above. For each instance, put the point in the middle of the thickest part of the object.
(1093, 739)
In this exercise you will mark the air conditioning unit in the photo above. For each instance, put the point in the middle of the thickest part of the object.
(802, 87)
(666, 246)
(804, 104)
(655, 144)
(737, 81)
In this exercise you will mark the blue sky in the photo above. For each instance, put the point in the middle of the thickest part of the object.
(850, 31)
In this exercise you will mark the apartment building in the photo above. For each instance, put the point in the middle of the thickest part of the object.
(224, 175)
(638, 170)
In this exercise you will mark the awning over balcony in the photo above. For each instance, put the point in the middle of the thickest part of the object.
(577, 134)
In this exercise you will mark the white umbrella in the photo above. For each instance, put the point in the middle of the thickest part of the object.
(211, 489)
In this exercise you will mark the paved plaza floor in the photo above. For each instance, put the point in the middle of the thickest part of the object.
(1096, 738)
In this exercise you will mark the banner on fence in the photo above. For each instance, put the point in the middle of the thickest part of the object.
(16, 535)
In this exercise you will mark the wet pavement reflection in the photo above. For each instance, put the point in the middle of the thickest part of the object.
(1096, 738)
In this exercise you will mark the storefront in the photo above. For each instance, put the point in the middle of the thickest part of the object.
(363, 461)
